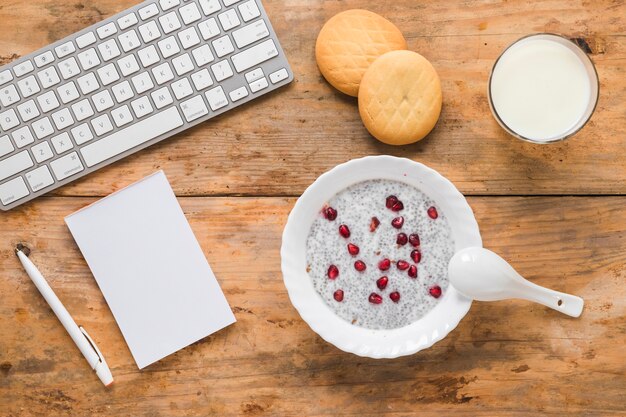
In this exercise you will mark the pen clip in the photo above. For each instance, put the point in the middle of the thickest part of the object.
(93, 344)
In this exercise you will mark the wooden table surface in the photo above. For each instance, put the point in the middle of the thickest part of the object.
(556, 212)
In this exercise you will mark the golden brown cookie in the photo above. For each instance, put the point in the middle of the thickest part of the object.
(349, 42)
(400, 98)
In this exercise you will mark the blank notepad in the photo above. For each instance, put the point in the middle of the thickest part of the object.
(151, 269)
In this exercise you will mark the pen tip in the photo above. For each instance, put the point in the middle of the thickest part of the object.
(22, 248)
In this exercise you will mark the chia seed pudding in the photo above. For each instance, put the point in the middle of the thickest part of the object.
(378, 254)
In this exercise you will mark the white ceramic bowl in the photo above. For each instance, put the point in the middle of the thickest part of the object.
(386, 343)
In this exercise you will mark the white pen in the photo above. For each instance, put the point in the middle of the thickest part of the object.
(86, 345)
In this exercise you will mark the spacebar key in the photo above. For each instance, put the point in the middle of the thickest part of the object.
(132, 136)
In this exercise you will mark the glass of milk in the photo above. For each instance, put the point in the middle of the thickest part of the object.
(543, 88)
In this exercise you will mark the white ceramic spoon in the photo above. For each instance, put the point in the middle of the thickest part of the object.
(482, 275)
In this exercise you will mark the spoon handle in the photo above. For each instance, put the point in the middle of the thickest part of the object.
(559, 301)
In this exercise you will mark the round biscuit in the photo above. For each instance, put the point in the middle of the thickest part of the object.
(400, 98)
(349, 42)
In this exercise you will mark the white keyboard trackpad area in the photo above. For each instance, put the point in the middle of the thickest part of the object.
(132, 136)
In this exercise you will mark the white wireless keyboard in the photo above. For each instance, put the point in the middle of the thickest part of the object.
(123, 84)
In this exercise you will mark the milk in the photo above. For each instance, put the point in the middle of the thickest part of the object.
(541, 88)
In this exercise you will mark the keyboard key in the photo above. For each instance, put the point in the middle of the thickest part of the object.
(258, 85)
(88, 59)
(190, 13)
(102, 100)
(14, 164)
(23, 68)
(107, 30)
(5, 77)
(132, 136)
(216, 98)
(202, 55)
(209, 29)
(13, 190)
(169, 22)
(148, 11)
(249, 10)
(223, 46)
(28, 86)
(162, 98)
(222, 70)
(6, 147)
(182, 64)
(39, 178)
(122, 91)
(62, 143)
(251, 33)
(255, 55)
(102, 124)
(65, 49)
(238, 94)
(48, 101)
(141, 107)
(162, 73)
(48, 77)
(189, 37)
(127, 21)
(122, 116)
(279, 75)
(108, 74)
(210, 6)
(168, 47)
(194, 108)
(109, 50)
(69, 68)
(182, 88)
(68, 92)
(128, 65)
(148, 56)
(229, 19)
(44, 59)
(62, 119)
(85, 40)
(230, 2)
(82, 110)
(9, 95)
(28, 110)
(22, 137)
(129, 41)
(201, 79)
(8, 120)
(81, 134)
(43, 128)
(42, 151)
(88, 83)
(142, 82)
(168, 4)
(149, 31)
(254, 75)
(66, 166)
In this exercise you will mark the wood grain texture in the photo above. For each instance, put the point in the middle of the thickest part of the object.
(512, 358)
(279, 144)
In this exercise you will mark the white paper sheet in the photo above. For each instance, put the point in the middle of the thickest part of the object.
(151, 269)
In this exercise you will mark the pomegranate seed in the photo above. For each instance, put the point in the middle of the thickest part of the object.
(435, 291)
(353, 249)
(398, 206)
(395, 296)
(397, 222)
(382, 282)
(375, 298)
(360, 266)
(333, 272)
(401, 239)
(390, 201)
(374, 224)
(432, 213)
(402, 265)
(416, 255)
(412, 271)
(330, 213)
(338, 295)
(414, 240)
(384, 265)
(344, 231)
